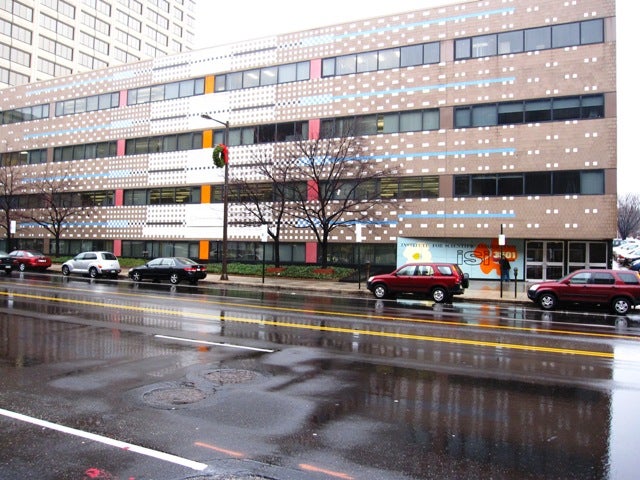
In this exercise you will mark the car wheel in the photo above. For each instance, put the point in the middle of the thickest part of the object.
(93, 272)
(174, 278)
(380, 291)
(22, 267)
(136, 277)
(547, 301)
(620, 305)
(65, 270)
(439, 295)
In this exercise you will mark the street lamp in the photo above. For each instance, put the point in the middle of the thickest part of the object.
(225, 197)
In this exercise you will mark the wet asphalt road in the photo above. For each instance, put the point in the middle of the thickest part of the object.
(103, 379)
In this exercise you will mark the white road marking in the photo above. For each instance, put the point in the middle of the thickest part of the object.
(107, 441)
(203, 342)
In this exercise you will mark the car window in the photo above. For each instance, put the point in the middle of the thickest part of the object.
(425, 270)
(90, 256)
(580, 278)
(445, 270)
(155, 263)
(629, 278)
(406, 271)
(602, 278)
(109, 256)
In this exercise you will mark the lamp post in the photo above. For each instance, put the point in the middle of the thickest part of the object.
(225, 198)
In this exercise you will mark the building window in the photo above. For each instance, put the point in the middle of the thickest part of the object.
(590, 182)
(84, 152)
(537, 39)
(15, 32)
(407, 56)
(56, 26)
(531, 39)
(52, 68)
(169, 91)
(274, 132)
(260, 77)
(24, 114)
(15, 55)
(28, 157)
(591, 31)
(88, 104)
(530, 111)
(409, 121)
(166, 143)
(510, 42)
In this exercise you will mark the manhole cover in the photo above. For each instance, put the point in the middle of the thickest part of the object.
(173, 396)
(230, 375)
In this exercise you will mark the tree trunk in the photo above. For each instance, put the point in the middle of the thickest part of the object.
(324, 247)
(276, 251)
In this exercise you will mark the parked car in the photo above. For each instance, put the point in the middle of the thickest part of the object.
(626, 257)
(625, 246)
(635, 265)
(439, 281)
(30, 260)
(619, 290)
(6, 263)
(94, 264)
(174, 269)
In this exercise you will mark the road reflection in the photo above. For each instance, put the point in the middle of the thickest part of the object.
(375, 389)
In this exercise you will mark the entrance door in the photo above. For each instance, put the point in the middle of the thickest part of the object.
(545, 260)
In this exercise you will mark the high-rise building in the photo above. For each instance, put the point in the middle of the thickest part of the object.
(498, 118)
(42, 39)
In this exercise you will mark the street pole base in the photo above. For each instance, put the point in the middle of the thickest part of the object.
(224, 276)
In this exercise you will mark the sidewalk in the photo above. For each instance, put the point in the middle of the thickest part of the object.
(478, 291)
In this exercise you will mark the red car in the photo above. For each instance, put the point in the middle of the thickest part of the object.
(30, 260)
(439, 281)
(617, 289)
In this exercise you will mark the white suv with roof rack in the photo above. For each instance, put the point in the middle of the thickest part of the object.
(94, 264)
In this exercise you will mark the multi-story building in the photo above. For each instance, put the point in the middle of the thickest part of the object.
(42, 39)
(499, 118)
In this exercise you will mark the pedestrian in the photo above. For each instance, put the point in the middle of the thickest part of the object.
(505, 269)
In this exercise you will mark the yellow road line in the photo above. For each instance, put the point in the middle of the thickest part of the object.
(223, 304)
(351, 331)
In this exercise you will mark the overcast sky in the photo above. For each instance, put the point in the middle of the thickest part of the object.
(218, 23)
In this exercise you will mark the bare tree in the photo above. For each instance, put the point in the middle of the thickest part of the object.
(331, 184)
(628, 215)
(57, 206)
(267, 201)
(12, 186)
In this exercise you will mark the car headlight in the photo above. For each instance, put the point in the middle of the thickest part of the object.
(533, 288)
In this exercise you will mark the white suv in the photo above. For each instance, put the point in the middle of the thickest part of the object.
(94, 264)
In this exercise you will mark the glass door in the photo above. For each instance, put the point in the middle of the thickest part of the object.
(545, 260)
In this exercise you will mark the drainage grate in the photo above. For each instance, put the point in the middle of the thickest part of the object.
(230, 376)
